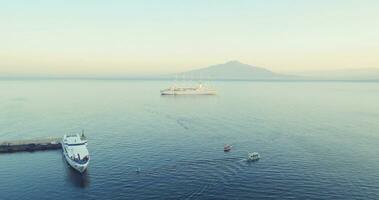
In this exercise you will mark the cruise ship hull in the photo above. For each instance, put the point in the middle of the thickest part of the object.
(199, 90)
(188, 92)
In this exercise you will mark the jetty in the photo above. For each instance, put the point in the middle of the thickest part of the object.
(30, 145)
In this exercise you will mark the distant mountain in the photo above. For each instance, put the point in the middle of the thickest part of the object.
(233, 70)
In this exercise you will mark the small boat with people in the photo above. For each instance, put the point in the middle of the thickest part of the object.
(75, 151)
(227, 147)
(253, 156)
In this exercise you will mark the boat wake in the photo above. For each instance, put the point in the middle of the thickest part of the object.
(214, 173)
(184, 122)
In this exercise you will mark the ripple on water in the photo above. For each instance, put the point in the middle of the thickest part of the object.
(311, 149)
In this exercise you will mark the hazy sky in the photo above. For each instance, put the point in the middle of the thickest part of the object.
(146, 36)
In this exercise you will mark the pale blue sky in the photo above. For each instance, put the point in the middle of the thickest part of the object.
(143, 37)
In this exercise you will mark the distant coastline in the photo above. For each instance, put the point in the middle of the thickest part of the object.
(171, 79)
(229, 71)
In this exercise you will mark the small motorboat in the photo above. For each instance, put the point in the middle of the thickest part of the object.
(227, 147)
(253, 156)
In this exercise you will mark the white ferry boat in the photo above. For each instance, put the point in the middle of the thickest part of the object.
(76, 152)
(198, 90)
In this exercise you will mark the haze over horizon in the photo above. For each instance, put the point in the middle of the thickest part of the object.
(144, 37)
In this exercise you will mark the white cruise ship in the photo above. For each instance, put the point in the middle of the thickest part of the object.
(75, 151)
(199, 90)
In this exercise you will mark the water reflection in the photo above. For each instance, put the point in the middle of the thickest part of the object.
(188, 96)
(76, 178)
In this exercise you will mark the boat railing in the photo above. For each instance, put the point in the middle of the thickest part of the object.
(80, 161)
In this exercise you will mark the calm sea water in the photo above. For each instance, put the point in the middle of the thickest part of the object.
(317, 140)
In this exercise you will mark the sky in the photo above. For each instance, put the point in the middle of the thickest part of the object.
(93, 37)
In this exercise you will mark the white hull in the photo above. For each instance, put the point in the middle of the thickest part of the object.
(79, 167)
(199, 90)
(188, 92)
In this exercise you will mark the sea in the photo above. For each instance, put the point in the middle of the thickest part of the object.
(316, 139)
